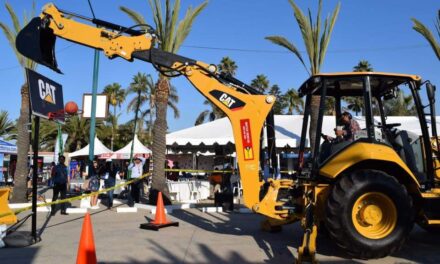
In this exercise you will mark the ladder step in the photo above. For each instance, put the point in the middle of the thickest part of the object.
(433, 222)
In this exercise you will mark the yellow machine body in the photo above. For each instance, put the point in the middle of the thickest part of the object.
(7, 216)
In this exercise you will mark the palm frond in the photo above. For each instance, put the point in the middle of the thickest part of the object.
(14, 18)
(283, 42)
(135, 16)
(175, 109)
(325, 39)
(201, 118)
(157, 17)
(305, 26)
(427, 34)
(185, 25)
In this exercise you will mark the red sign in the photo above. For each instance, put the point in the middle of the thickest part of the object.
(246, 137)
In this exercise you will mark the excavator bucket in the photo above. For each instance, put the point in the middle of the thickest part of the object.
(37, 42)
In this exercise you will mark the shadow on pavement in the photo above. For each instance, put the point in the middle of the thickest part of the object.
(419, 247)
(18, 255)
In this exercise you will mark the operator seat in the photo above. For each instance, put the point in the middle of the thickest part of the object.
(407, 144)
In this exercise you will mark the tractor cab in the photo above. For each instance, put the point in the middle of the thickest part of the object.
(359, 114)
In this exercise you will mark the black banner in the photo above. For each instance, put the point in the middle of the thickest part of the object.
(46, 96)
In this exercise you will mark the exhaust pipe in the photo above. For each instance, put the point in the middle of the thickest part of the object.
(36, 41)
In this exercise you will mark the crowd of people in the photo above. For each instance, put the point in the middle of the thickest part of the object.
(107, 171)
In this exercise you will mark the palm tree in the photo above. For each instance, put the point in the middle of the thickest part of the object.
(403, 105)
(210, 115)
(78, 130)
(228, 67)
(316, 40)
(6, 125)
(261, 83)
(329, 106)
(141, 88)
(144, 84)
(363, 66)
(171, 35)
(355, 104)
(280, 103)
(427, 34)
(22, 123)
(116, 97)
(295, 104)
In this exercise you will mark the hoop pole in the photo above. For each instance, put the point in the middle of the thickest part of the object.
(93, 112)
(60, 140)
(35, 146)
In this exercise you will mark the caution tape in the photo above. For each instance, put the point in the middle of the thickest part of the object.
(200, 171)
(76, 197)
(216, 171)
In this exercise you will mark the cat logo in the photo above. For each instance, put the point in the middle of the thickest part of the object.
(228, 100)
(47, 91)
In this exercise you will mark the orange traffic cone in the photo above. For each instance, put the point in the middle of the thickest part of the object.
(160, 220)
(86, 249)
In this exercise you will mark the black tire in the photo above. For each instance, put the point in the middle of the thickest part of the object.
(340, 206)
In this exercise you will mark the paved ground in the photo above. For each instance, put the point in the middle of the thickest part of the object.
(200, 238)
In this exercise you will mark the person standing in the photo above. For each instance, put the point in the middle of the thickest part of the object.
(60, 185)
(136, 169)
(109, 172)
(94, 183)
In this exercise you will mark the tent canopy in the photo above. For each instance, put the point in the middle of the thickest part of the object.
(138, 150)
(287, 130)
(99, 149)
(6, 147)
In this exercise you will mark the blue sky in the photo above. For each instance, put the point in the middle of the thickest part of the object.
(378, 31)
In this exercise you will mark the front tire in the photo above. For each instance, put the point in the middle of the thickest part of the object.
(369, 214)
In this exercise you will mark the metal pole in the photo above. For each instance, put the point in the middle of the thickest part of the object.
(93, 110)
(34, 177)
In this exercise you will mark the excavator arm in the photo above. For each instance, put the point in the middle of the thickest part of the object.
(245, 107)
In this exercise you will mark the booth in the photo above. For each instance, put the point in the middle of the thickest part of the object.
(7, 168)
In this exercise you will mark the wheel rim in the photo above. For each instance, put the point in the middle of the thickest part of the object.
(374, 215)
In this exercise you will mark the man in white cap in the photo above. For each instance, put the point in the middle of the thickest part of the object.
(136, 169)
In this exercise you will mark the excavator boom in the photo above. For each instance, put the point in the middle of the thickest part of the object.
(246, 108)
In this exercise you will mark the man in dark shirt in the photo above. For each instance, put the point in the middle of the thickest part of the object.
(349, 127)
(60, 185)
(345, 132)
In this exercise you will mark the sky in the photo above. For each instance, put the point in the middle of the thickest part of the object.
(375, 30)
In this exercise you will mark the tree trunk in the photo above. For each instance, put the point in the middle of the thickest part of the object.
(113, 127)
(150, 127)
(158, 183)
(314, 112)
(22, 170)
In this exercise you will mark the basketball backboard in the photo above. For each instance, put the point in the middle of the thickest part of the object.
(101, 106)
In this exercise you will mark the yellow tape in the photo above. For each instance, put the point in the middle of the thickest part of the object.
(76, 197)
(215, 171)
(202, 171)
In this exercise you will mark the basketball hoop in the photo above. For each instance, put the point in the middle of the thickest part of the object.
(70, 109)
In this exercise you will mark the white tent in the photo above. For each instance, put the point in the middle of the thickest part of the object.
(287, 130)
(99, 149)
(138, 149)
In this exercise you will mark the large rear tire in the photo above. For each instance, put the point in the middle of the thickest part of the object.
(369, 214)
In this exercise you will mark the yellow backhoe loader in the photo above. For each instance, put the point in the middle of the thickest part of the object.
(368, 191)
